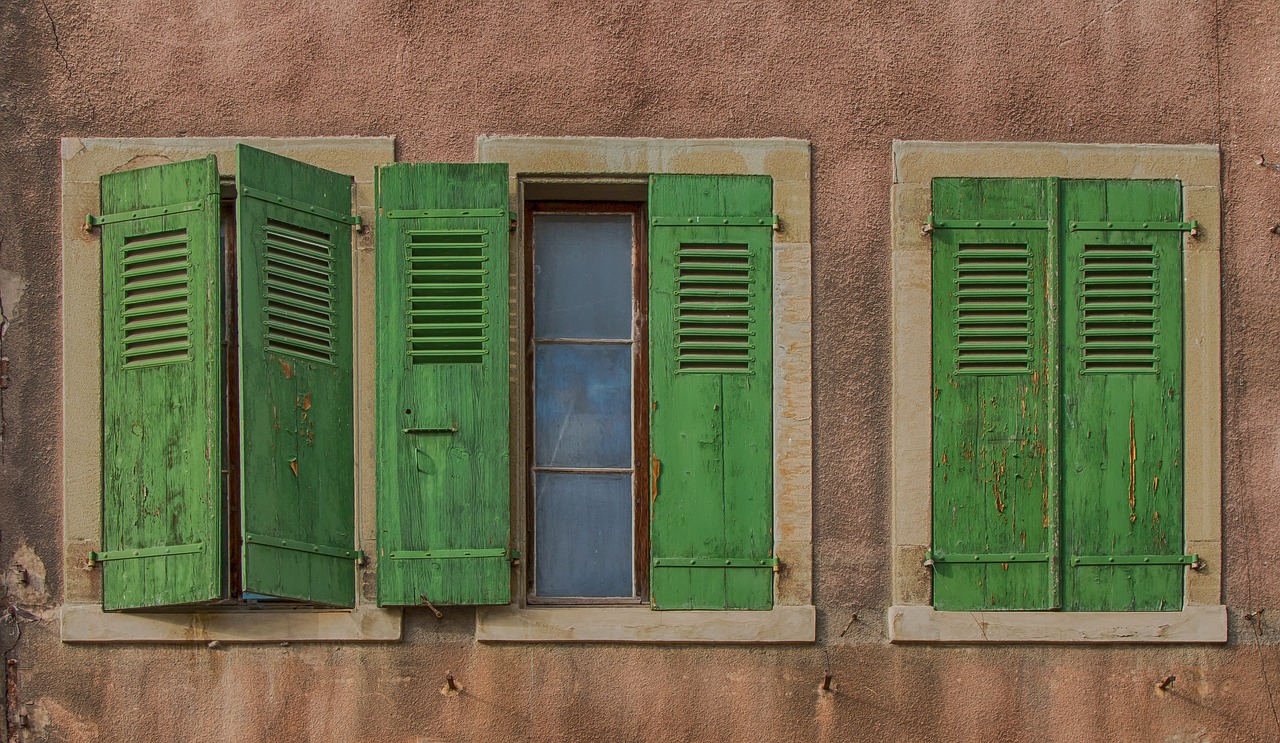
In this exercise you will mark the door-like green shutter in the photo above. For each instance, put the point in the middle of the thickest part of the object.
(995, 500)
(296, 406)
(711, 387)
(443, 424)
(1122, 395)
(161, 386)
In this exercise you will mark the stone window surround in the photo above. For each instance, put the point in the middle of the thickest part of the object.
(911, 618)
(793, 617)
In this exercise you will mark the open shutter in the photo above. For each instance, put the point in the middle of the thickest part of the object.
(1122, 395)
(711, 387)
(995, 499)
(296, 406)
(444, 507)
(161, 382)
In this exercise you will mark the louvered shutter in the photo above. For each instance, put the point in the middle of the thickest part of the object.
(995, 499)
(296, 400)
(443, 384)
(161, 386)
(1122, 392)
(710, 376)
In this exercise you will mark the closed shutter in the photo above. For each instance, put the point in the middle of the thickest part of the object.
(443, 431)
(711, 384)
(296, 404)
(1122, 392)
(161, 386)
(995, 499)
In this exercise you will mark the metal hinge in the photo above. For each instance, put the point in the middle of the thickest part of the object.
(771, 221)
(445, 213)
(984, 224)
(1134, 560)
(1191, 226)
(93, 220)
(300, 546)
(999, 557)
(141, 552)
(301, 206)
(445, 554)
(716, 562)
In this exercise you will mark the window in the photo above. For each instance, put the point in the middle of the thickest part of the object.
(450, 395)
(178, 359)
(721, 301)
(706, 394)
(226, 481)
(1057, 457)
(589, 394)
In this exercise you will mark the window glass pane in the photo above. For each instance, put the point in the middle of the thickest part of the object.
(582, 276)
(582, 405)
(583, 535)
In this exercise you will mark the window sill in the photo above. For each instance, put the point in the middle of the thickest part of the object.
(88, 623)
(1194, 624)
(642, 624)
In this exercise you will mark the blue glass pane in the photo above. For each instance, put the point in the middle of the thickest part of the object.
(582, 276)
(582, 405)
(583, 535)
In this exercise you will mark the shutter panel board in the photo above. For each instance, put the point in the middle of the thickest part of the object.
(995, 499)
(711, 417)
(1122, 387)
(443, 437)
(161, 343)
(296, 376)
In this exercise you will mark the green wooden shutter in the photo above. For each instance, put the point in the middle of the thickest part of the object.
(995, 499)
(711, 387)
(1122, 395)
(443, 425)
(296, 404)
(161, 386)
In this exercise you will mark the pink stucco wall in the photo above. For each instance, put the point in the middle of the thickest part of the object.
(850, 77)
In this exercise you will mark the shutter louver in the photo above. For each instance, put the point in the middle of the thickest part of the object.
(448, 284)
(443, 429)
(711, 387)
(161, 375)
(296, 380)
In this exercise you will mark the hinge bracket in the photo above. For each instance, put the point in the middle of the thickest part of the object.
(94, 220)
(1134, 560)
(716, 562)
(1134, 226)
(999, 557)
(296, 205)
(445, 554)
(141, 552)
(445, 213)
(771, 221)
(299, 546)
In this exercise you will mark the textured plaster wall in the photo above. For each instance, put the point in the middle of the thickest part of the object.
(850, 77)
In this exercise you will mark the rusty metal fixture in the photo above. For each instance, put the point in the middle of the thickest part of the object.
(439, 614)
(1166, 682)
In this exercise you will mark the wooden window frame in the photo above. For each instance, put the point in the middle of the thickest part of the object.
(639, 394)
